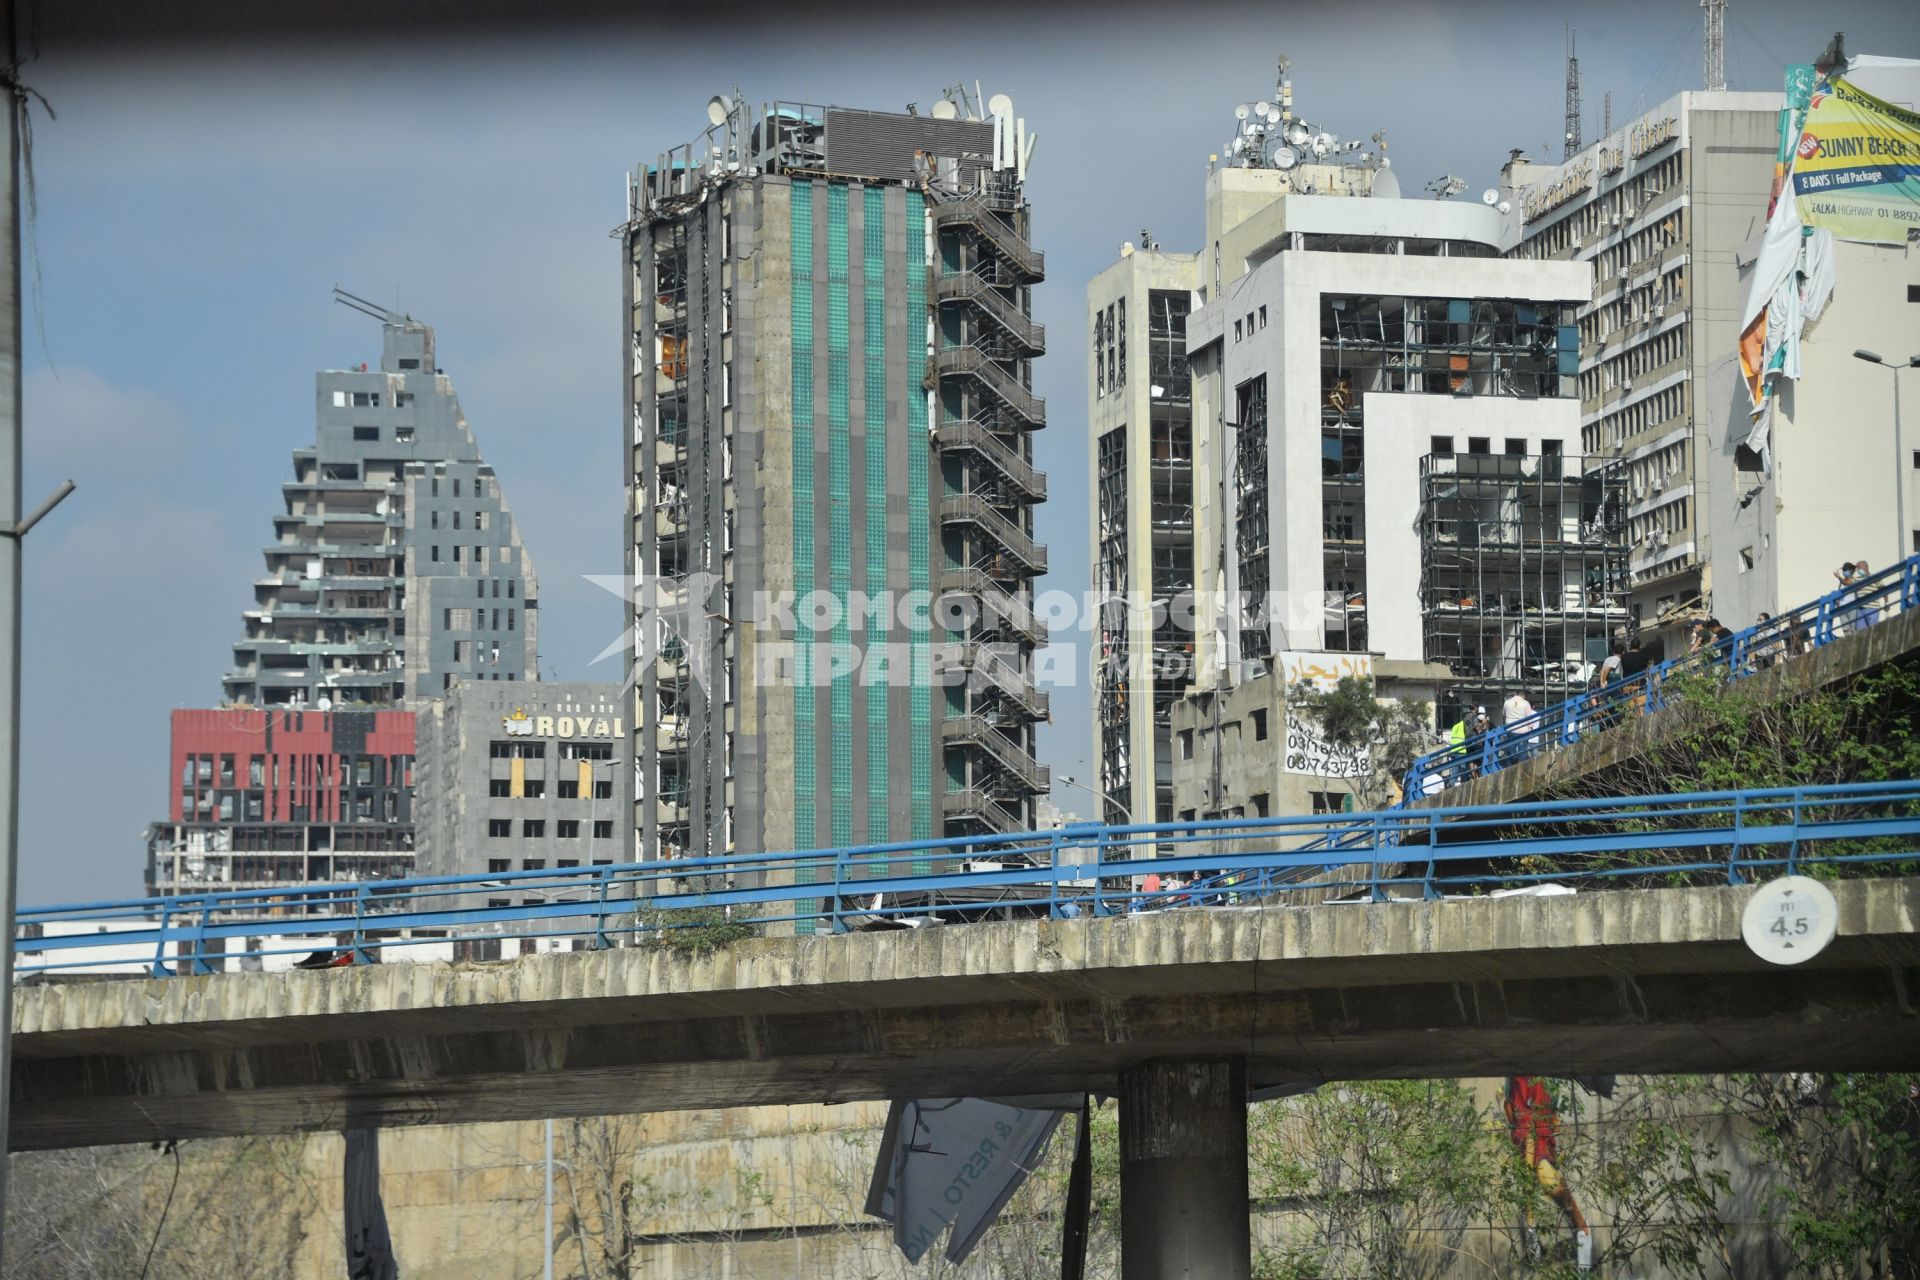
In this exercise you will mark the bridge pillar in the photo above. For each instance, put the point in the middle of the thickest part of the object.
(1183, 1171)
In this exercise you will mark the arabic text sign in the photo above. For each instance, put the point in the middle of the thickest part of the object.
(1856, 169)
(1323, 671)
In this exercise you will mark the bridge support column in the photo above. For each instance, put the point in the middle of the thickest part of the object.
(1183, 1171)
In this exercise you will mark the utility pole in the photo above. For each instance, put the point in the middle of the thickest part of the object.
(9, 576)
(13, 530)
(1573, 101)
(1716, 43)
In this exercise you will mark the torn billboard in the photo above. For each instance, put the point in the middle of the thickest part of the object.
(1848, 168)
(956, 1162)
(1856, 167)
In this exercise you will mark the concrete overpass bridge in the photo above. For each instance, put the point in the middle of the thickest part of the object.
(1304, 950)
(1649, 981)
(1071, 972)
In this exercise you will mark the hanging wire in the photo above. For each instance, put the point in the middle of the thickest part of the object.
(173, 1148)
(1754, 36)
(24, 95)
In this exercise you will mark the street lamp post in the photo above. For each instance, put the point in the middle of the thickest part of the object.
(1901, 548)
(1068, 780)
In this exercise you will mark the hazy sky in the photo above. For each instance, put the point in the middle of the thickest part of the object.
(195, 211)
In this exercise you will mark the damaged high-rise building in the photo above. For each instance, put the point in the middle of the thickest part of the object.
(830, 416)
(395, 570)
(396, 566)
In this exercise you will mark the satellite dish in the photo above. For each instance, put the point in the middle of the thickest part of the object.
(1489, 197)
(1322, 144)
(944, 110)
(1263, 109)
(1236, 146)
(1385, 185)
(1385, 163)
(1241, 112)
(1000, 105)
(1285, 157)
(1298, 133)
(718, 108)
(325, 704)
(1505, 206)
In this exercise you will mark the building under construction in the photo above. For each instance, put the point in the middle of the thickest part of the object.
(1523, 572)
(830, 417)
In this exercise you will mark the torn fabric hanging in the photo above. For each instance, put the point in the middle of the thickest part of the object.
(956, 1162)
(369, 1248)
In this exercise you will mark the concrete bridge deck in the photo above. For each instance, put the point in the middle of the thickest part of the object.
(1629, 981)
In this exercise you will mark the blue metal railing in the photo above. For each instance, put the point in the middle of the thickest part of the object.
(1811, 626)
(1725, 837)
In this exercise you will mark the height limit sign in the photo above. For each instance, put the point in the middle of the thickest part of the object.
(1790, 920)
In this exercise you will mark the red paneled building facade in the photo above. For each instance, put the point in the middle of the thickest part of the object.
(268, 797)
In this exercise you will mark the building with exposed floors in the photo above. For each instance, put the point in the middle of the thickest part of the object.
(830, 418)
(395, 565)
(1140, 422)
(1523, 573)
(525, 777)
(1335, 335)
(280, 796)
(396, 570)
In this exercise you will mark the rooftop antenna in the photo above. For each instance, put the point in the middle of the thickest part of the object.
(365, 307)
(1606, 113)
(1573, 98)
(1446, 186)
(1716, 43)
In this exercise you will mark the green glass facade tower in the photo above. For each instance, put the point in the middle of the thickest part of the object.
(830, 515)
